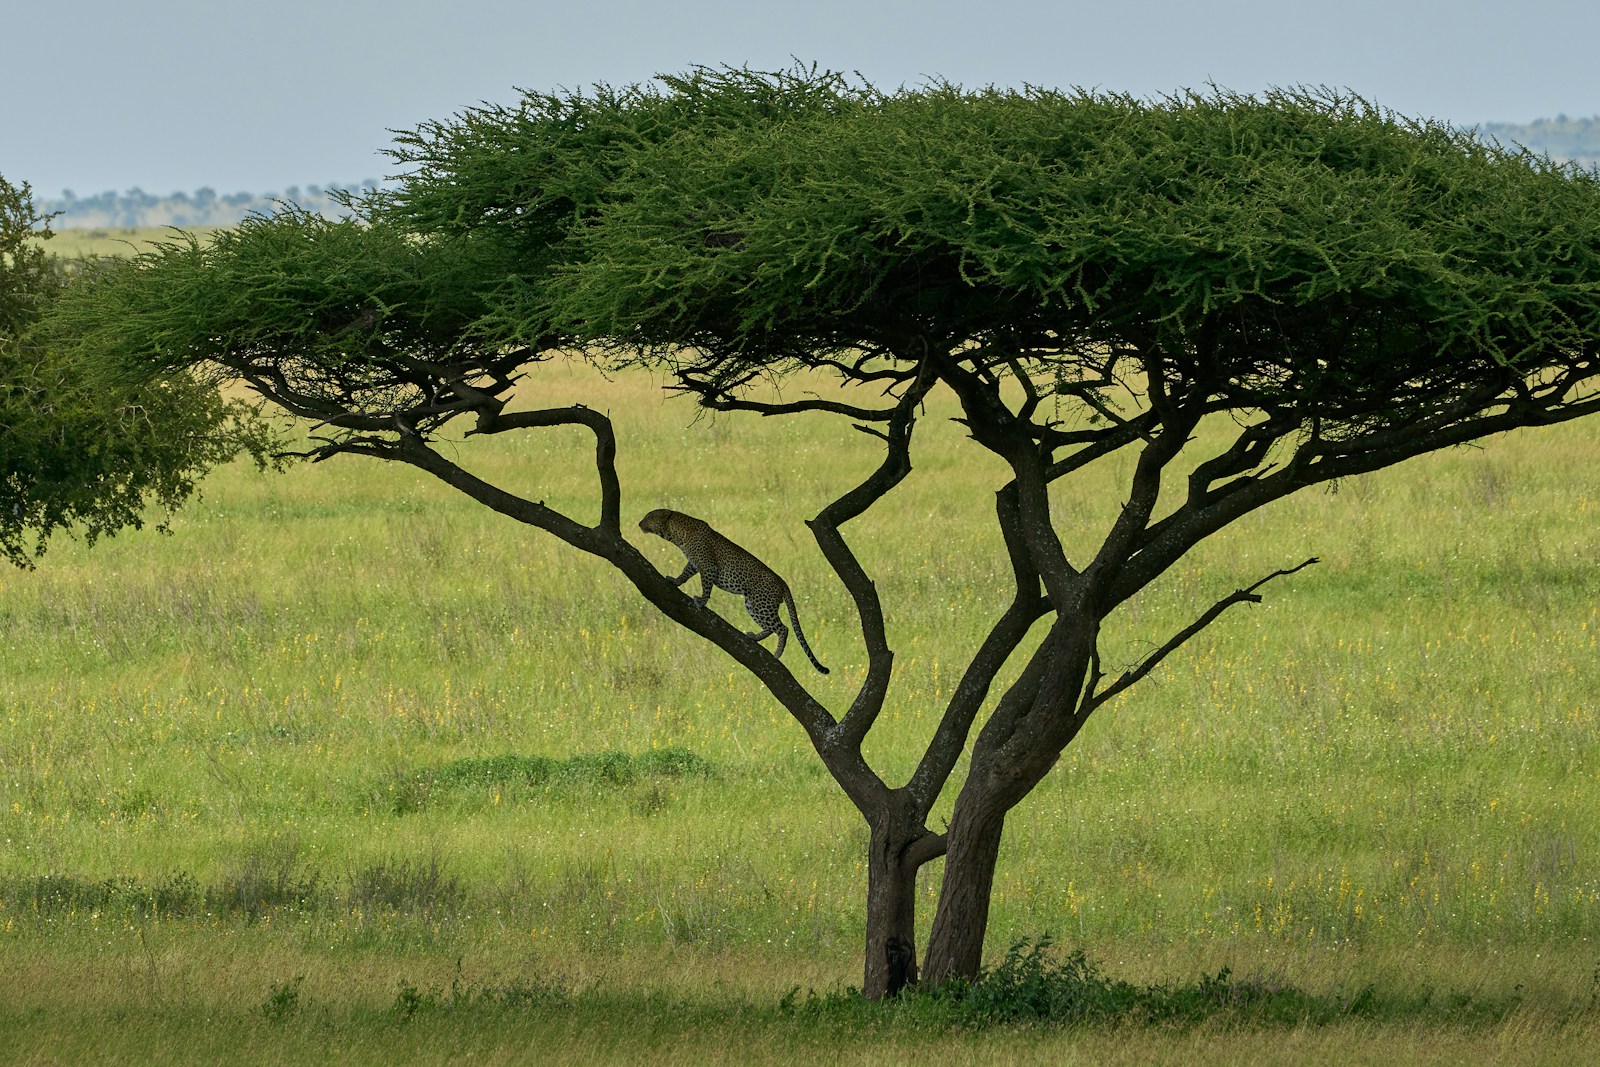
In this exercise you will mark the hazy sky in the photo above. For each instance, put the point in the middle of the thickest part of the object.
(173, 95)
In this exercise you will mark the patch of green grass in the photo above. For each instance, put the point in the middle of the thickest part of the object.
(492, 780)
(601, 768)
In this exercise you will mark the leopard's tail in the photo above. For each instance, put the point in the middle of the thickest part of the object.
(794, 617)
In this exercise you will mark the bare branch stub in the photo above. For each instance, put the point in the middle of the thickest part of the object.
(1248, 595)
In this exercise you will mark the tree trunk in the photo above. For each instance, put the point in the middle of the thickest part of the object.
(891, 915)
(955, 945)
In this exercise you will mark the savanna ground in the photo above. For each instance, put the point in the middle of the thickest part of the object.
(74, 241)
(348, 767)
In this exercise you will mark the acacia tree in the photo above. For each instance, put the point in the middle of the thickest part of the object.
(87, 445)
(1250, 294)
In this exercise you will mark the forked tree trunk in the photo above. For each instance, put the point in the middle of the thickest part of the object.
(955, 945)
(891, 915)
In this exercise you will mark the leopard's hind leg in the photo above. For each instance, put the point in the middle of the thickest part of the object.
(766, 616)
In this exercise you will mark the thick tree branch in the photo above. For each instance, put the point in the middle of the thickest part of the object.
(605, 450)
(1027, 607)
(926, 849)
(863, 591)
(795, 407)
(994, 426)
(1038, 715)
(1099, 443)
(410, 449)
(1247, 453)
(1143, 494)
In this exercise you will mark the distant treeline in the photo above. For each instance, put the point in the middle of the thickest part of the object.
(203, 207)
(1560, 137)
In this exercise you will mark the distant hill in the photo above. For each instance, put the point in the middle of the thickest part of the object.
(202, 208)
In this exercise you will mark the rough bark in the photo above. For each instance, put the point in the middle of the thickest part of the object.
(955, 944)
(891, 961)
(1036, 718)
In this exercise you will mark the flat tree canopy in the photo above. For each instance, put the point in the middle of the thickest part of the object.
(1337, 287)
(87, 445)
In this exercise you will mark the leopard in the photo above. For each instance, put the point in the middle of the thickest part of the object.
(724, 565)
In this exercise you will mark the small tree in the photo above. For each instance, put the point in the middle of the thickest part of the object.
(1250, 295)
(86, 445)
(27, 276)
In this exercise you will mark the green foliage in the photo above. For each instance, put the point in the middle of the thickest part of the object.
(1308, 247)
(1032, 984)
(454, 265)
(88, 445)
(91, 455)
(330, 299)
(27, 277)
(1299, 249)
(539, 170)
(354, 318)
(1301, 253)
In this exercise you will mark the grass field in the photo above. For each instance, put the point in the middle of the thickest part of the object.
(348, 767)
(73, 241)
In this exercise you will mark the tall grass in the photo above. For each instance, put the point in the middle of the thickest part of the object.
(258, 750)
